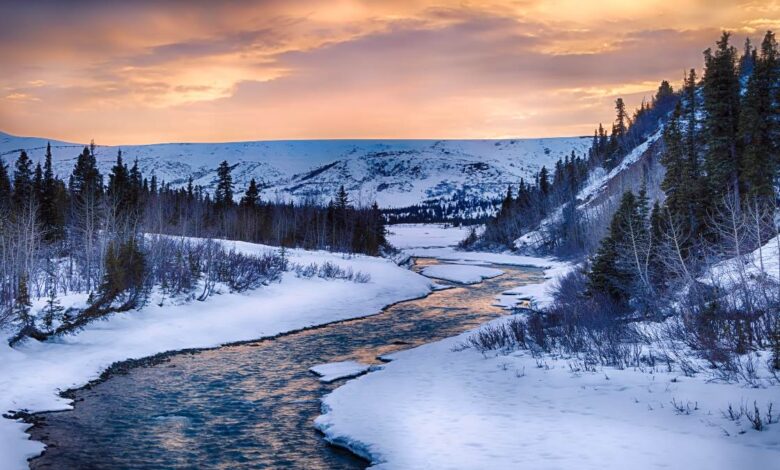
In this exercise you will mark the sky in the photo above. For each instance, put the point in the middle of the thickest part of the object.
(144, 71)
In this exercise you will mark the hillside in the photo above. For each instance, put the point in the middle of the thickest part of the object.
(395, 173)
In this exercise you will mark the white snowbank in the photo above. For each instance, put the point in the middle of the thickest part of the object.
(479, 257)
(541, 293)
(439, 407)
(339, 370)
(763, 260)
(461, 273)
(404, 236)
(32, 373)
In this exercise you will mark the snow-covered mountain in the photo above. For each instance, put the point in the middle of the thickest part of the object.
(395, 173)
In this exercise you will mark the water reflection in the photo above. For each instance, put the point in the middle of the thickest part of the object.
(252, 405)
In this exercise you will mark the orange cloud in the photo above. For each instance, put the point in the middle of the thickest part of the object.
(147, 71)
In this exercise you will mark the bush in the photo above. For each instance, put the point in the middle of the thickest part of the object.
(328, 270)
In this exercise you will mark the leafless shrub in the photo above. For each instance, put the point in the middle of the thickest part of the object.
(330, 270)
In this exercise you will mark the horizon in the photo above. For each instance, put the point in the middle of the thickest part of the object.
(361, 139)
(268, 71)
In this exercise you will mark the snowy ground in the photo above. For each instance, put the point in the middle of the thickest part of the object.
(340, 370)
(32, 374)
(461, 273)
(441, 406)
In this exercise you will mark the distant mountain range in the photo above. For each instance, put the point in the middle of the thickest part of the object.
(395, 173)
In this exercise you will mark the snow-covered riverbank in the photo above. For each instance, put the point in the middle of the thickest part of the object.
(445, 407)
(31, 374)
(436, 406)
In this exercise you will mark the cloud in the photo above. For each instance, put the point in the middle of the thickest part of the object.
(144, 71)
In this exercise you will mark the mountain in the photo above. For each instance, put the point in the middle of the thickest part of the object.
(395, 173)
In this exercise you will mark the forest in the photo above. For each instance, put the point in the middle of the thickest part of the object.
(698, 256)
(120, 236)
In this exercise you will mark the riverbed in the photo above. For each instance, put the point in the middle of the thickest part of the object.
(250, 405)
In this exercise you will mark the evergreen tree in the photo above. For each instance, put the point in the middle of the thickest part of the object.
(721, 117)
(6, 193)
(24, 193)
(611, 272)
(53, 201)
(223, 196)
(86, 180)
(759, 122)
(544, 181)
(251, 197)
(673, 158)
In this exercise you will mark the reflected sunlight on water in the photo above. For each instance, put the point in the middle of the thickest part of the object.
(250, 405)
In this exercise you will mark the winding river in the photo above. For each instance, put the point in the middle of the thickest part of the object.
(249, 405)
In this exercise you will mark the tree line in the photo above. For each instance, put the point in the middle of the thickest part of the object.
(569, 232)
(696, 247)
(104, 235)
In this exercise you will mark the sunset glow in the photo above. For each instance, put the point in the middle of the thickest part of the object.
(144, 71)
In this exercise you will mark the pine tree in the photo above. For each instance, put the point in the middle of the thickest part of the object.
(721, 117)
(223, 196)
(544, 181)
(251, 197)
(611, 271)
(6, 192)
(24, 193)
(86, 180)
(758, 123)
(674, 161)
(53, 201)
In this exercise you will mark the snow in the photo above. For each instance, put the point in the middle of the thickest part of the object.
(32, 373)
(461, 273)
(540, 294)
(598, 179)
(765, 259)
(395, 173)
(444, 407)
(405, 236)
(340, 370)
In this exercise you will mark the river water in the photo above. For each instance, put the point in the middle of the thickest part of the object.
(250, 405)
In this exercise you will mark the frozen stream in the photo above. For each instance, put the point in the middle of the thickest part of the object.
(250, 405)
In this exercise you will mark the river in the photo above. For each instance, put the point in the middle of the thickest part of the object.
(250, 405)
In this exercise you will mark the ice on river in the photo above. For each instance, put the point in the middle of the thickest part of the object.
(339, 370)
(461, 273)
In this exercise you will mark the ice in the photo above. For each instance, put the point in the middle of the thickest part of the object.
(339, 370)
(461, 273)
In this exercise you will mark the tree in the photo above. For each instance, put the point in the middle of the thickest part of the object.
(223, 195)
(86, 187)
(621, 267)
(6, 192)
(23, 194)
(251, 197)
(544, 181)
(53, 200)
(720, 89)
(758, 123)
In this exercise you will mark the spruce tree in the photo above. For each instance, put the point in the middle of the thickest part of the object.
(24, 193)
(721, 116)
(53, 201)
(251, 197)
(673, 158)
(758, 124)
(223, 196)
(609, 272)
(6, 192)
